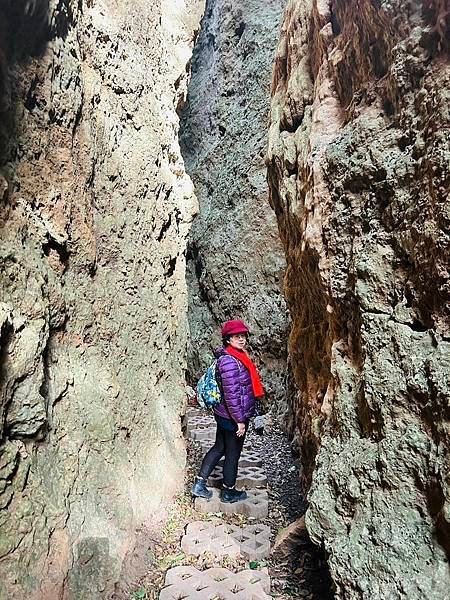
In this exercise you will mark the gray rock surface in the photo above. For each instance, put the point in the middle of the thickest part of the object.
(359, 180)
(96, 209)
(235, 260)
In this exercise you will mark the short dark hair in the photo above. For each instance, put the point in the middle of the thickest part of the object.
(226, 338)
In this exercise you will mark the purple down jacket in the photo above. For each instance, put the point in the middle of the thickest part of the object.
(238, 402)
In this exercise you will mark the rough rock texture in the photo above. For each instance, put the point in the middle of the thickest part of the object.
(95, 212)
(235, 259)
(359, 179)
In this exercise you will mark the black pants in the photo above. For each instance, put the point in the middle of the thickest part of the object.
(227, 444)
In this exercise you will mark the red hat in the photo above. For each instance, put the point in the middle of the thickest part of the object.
(234, 327)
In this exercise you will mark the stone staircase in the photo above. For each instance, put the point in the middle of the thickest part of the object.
(223, 539)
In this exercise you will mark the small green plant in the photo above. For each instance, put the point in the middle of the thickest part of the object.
(140, 594)
(171, 560)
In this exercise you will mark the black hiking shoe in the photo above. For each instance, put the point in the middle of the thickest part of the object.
(231, 495)
(200, 490)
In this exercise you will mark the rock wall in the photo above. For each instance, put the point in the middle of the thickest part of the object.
(235, 259)
(358, 165)
(96, 208)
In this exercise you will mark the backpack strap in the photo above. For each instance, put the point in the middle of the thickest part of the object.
(222, 356)
(218, 377)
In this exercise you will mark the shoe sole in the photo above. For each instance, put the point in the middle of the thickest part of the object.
(234, 501)
(201, 496)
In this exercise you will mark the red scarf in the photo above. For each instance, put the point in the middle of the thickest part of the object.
(245, 359)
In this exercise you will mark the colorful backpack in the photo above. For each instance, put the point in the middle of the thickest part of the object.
(208, 388)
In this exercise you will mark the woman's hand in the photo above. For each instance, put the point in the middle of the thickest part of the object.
(240, 430)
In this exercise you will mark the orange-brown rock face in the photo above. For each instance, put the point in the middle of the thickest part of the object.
(358, 165)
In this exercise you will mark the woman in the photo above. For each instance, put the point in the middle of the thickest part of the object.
(241, 385)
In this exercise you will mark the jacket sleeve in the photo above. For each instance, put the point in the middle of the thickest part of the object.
(231, 387)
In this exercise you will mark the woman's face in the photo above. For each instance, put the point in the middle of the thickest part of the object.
(238, 341)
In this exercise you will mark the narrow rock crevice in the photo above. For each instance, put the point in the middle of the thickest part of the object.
(103, 272)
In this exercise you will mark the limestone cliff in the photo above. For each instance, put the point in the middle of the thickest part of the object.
(359, 179)
(235, 259)
(95, 212)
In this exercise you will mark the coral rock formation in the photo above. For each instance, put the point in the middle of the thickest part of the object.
(96, 208)
(359, 179)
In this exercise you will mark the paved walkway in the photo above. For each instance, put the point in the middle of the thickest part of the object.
(220, 538)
